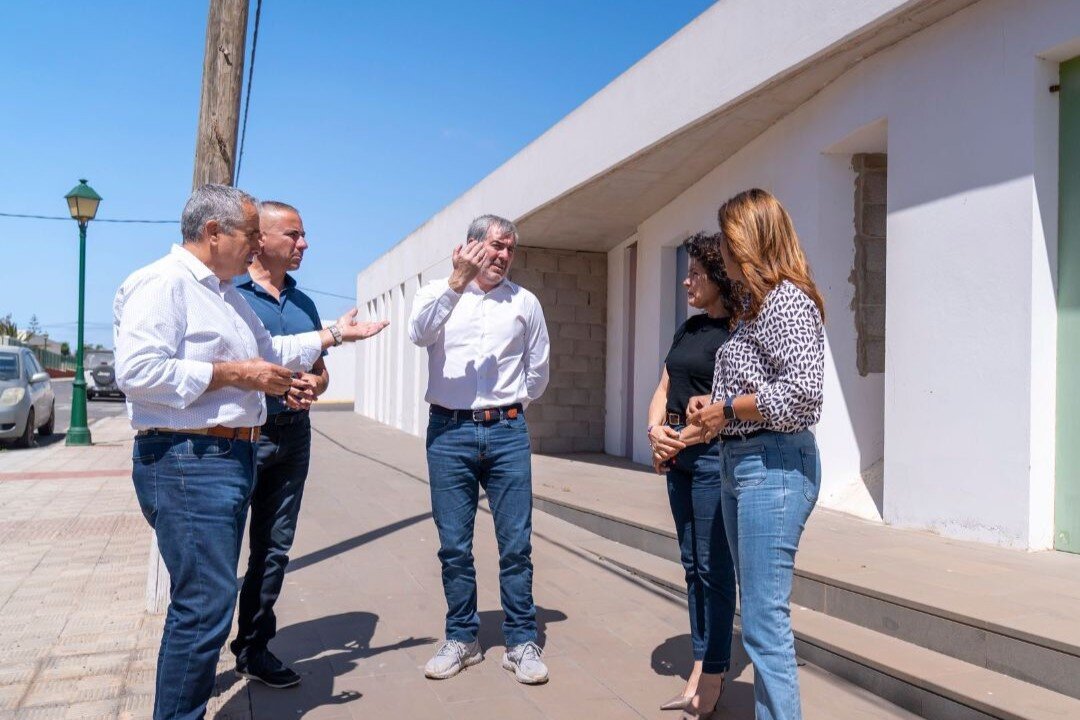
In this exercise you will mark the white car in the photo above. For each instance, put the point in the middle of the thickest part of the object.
(27, 402)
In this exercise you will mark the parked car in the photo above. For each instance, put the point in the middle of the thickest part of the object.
(100, 375)
(27, 402)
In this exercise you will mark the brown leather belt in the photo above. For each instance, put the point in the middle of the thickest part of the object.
(247, 434)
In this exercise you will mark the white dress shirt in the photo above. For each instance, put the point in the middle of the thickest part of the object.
(172, 320)
(484, 349)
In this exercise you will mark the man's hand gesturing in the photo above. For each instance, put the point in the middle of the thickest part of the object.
(351, 330)
(469, 261)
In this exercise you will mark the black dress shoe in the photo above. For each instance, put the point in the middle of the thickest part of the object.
(267, 669)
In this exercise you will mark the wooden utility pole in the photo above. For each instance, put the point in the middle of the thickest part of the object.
(215, 162)
(222, 80)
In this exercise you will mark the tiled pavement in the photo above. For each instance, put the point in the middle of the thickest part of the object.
(360, 613)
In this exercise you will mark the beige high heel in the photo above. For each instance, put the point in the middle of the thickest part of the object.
(679, 702)
(689, 713)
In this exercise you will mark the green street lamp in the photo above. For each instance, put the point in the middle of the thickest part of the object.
(83, 204)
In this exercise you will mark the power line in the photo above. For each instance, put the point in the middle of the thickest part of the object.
(323, 292)
(97, 220)
(247, 96)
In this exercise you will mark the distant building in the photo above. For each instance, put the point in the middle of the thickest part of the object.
(932, 167)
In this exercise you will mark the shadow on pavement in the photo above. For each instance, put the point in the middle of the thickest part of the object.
(491, 635)
(675, 656)
(319, 650)
(353, 542)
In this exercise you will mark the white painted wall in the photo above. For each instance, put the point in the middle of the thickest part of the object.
(341, 364)
(964, 412)
(969, 382)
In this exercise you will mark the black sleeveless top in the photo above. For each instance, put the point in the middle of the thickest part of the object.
(692, 359)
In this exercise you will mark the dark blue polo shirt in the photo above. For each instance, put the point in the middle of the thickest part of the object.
(294, 313)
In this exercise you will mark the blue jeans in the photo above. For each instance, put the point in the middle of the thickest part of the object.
(463, 457)
(194, 491)
(771, 484)
(283, 454)
(694, 487)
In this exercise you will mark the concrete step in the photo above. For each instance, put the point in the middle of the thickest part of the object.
(927, 683)
(998, 634)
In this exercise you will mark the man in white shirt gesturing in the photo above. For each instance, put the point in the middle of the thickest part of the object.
(195, 361)
(487, 360)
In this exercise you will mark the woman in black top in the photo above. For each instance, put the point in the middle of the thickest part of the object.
(693, 470)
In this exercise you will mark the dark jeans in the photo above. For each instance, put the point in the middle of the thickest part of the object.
(464, 456)
(695, 486)
(283, 455)
(194, 491)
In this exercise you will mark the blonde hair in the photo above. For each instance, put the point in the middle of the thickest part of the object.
(761, 238)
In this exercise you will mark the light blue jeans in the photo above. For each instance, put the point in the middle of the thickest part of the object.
(771, 484)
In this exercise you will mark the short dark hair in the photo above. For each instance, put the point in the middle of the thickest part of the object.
(705, 248)
(279, 206)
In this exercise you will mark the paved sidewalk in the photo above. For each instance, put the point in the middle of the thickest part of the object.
(360, 613)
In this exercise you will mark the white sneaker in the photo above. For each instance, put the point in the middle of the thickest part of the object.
(525, 661)
(451, 657)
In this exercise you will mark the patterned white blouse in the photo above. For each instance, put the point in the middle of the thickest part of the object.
(780, 356)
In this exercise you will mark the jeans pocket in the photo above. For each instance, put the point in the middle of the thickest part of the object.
(148, 449)
(811, 467)
(206, 447)
(747, 466)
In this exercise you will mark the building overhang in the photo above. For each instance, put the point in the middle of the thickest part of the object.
(590, 180)
(607, 208)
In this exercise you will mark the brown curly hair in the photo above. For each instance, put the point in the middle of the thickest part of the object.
(705, 248)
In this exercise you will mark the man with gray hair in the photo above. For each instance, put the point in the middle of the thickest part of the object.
(487, 360)
(195, 364)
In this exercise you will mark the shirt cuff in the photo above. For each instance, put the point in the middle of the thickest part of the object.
(194, 380)
(449, 296)
(311, 348)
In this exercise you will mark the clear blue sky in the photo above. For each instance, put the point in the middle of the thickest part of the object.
(368, 116)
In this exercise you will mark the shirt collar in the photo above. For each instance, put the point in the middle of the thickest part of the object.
(193, 264)
(504, 284)
(248, 282)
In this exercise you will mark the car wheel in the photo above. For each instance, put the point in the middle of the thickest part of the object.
(47, 429)
(26, 440)
(89, 395)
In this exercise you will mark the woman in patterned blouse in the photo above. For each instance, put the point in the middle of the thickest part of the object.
(766, 394)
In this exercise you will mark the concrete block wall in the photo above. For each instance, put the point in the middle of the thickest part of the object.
(572, 288)
(868, 275)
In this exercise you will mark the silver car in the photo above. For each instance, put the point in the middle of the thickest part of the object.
(27, 402)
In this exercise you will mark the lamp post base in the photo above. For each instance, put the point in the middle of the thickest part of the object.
(78, 436)
(78, 433)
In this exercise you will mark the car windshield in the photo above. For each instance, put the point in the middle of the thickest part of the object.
(95, 359)
(9, 366)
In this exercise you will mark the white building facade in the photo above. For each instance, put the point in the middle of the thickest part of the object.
(925, 151)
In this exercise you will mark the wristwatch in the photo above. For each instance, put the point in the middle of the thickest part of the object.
(335, 332)
(729, 410)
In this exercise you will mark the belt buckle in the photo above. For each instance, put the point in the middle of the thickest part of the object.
(674, 419)
(480, 415)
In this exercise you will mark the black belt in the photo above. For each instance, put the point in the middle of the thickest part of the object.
(480, 414)
(744, 436)
(285, 418)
